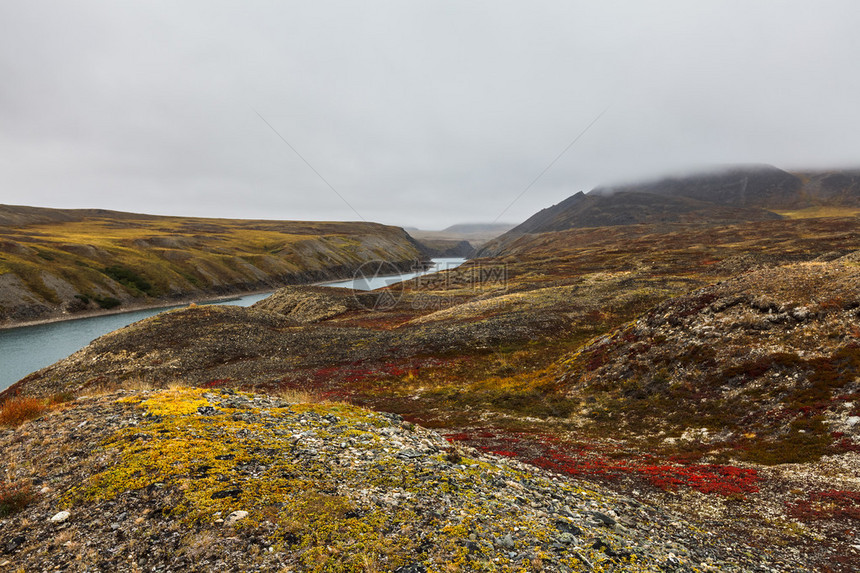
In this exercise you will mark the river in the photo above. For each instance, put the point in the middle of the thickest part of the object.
(28, 348)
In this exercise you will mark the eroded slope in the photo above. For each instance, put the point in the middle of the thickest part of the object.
(57, 263)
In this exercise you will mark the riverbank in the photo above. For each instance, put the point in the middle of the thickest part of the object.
(27, 348)
(427, 267)
(61, 263)
(133, 308)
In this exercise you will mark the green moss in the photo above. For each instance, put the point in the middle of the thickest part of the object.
(31, 275)
(47, 255)
(106, 302)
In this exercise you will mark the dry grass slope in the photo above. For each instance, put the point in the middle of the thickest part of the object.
(66, 262)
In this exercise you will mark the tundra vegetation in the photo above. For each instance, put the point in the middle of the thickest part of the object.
(711, 370)
(56, 263)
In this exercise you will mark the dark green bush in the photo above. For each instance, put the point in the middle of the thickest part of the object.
(129, 278)
(107, 302)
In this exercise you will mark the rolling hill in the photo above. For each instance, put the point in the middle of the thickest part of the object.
(56, 262)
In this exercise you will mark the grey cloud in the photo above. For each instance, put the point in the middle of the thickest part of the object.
(420, 114)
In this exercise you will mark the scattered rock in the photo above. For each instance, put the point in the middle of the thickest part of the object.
(13, 544)
(567, 527)
(60, 517)
(411, 568)
(506, 542)
(602, 518)
(237, 515)
(232, 492)
(801, 313)
(416, 501)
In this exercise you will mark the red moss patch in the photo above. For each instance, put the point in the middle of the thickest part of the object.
(15, 496)
(829, 504)
(602, 462)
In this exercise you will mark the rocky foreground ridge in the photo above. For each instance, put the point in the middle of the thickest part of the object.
(201, 480)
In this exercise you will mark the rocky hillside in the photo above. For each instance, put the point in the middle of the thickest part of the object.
(831, 188)
(62, 262)
(754, 193)
(633, 208)
(443, 248)
(761, 186)
(203, 480)
(763, 367)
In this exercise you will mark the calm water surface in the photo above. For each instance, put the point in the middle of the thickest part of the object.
(27, 349)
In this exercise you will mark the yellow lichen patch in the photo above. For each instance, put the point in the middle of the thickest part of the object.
(820, 211)
(221, 463)
(178, 402)
(336, 487)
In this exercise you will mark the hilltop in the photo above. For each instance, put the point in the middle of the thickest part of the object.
(634, 208)
(762, 186)
(478, 228)
(61, 262)
(732, 195)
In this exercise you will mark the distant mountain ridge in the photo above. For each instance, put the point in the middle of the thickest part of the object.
(761, 186)
(478, 228)
(459, 240)
(733, 195)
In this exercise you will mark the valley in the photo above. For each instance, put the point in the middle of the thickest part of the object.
(706, 366)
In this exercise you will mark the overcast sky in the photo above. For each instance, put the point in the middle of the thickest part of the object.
(417, 113)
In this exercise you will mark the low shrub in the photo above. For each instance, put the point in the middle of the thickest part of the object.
(830, 504)
(16, 411)
(15, 496)
(107, 302)
(129, 278)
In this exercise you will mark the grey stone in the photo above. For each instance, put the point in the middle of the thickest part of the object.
(60, 517)
(235, 516)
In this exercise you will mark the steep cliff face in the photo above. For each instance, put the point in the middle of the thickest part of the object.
(61, 262)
